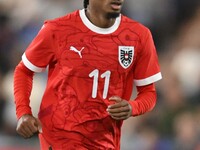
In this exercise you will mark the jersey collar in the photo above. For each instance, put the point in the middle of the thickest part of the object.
(96, 29)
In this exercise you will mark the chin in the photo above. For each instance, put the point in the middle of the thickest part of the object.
(113, 15)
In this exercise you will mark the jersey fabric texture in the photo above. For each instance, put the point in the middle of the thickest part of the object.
(87, 65)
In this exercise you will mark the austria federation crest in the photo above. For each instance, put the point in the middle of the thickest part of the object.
(125, 56)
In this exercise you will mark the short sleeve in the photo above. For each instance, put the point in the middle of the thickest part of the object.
(147, 69)
(41, 51)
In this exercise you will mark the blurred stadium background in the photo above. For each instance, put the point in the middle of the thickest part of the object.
(174, 124)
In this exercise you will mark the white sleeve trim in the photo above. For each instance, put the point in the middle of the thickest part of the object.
(30, 66)
(148, 80)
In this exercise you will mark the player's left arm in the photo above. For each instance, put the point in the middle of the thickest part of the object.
(146, 72)
(144, 102)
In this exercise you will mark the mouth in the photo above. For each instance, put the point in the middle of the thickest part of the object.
(116, 5)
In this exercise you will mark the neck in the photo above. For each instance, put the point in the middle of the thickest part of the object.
(100, 20)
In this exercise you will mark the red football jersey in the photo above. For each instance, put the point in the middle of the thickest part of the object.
(87, 65)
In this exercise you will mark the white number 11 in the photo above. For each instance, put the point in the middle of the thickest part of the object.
(105, 75)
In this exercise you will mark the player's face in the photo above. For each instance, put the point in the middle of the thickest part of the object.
(111, 8)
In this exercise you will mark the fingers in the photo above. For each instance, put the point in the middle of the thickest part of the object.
(39, 125)
(121, 110)
(120, 117)
(121, 105)
(25, 131)
(121, 113)
(115, 109)
(27, 126)
(115, 98)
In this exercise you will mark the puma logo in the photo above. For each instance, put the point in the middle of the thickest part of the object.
(72, 48)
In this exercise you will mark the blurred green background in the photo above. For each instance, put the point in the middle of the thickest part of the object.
(174, 124)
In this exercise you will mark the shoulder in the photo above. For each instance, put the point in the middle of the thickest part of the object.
(62, 21)
(134, 25)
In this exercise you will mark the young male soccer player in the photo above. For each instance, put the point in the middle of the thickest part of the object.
(94, 56)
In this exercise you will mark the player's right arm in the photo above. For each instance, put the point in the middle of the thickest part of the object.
(39, 54)
(27, 124)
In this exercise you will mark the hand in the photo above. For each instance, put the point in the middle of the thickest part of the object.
(28, 125)
(121, 110)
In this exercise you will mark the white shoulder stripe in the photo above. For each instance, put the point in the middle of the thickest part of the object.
(30, 66)
(148, 80)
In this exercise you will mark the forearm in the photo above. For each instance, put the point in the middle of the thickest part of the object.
(23, 79)
(145, 100)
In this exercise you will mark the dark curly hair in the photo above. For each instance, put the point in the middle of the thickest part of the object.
(85, 3)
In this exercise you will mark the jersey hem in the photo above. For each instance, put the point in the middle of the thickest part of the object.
(148, 80)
